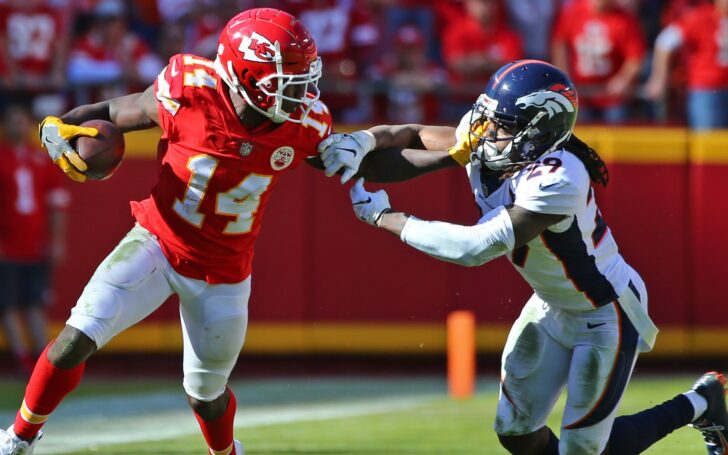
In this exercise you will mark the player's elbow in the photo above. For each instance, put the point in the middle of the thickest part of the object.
(469, 261)
(469, 257)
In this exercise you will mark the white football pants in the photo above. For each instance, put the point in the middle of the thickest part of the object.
(135, 279)
(591, 353)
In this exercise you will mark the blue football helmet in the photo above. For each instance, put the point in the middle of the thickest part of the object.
(533, 104)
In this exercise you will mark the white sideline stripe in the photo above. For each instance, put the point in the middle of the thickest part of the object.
(69, 434)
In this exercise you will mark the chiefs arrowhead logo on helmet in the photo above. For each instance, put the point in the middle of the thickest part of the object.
(257, 48)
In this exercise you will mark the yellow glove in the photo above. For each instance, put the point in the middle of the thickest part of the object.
(56, 136)
(466, 141)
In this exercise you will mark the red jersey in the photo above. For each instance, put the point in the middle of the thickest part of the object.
(30, 184)
(598, 42)
(30, 35)
(216, 176)
(705, 38)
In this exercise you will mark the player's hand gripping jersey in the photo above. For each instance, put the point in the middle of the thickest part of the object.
(216, 176)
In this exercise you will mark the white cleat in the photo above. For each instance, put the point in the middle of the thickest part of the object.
(10, 444)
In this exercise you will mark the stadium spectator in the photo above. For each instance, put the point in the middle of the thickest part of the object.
(601, 45)
(33, 51)
(473, 47)
(109, 60)
(33, 199)
(203, 21)
(346, 35)
(533, 20)
(417, 13)
(411, 79)
(703, 33)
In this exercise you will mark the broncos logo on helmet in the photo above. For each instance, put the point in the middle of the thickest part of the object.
(552, 102)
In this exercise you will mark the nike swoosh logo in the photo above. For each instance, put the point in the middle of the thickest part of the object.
(174, 71)
(348, 150)
(590, 326)
(362, 202)
(542, 187)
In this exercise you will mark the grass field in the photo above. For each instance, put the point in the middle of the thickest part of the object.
(328, 416)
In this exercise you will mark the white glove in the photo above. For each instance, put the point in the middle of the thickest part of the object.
(368, 207)
(346, 151)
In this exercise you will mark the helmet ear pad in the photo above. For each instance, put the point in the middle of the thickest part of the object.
(540, 142)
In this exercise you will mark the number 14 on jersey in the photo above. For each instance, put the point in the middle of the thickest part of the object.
(241, 201)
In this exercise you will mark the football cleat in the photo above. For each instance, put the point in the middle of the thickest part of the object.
(714, 422)
(10, 444)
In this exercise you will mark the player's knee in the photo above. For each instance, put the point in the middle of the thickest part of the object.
(71, 348)
(209, 409)
(204, 386)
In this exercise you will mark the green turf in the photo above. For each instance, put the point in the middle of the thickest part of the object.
(437, 425)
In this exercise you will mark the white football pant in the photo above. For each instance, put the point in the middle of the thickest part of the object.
(135, 279)
(590, 353)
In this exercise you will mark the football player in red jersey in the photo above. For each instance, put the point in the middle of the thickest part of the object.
(229, 129)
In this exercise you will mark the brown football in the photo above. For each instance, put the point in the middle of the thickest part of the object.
(102, 153)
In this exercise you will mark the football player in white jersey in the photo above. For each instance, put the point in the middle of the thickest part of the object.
(587, 319)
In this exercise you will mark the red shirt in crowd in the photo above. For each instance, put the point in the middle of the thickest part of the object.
(598, 42)
(705, 40)
(207, 204)
(30, 36)
(466, 37)
(30, 185)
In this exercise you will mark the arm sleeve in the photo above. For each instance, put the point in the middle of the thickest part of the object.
(464, 245)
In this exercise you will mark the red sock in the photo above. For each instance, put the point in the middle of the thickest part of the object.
(48, 385)
(219, 432)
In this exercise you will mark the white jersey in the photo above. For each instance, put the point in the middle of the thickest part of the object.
(575, 264)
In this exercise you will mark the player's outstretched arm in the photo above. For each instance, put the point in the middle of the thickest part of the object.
(498, 232)
(137, 111)
(132, 112)
(402, 152)
(398, 165)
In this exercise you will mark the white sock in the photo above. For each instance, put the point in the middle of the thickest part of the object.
(700, 404)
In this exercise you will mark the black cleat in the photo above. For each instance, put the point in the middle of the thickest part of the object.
(714, 422)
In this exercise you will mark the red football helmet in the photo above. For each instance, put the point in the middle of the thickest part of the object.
(269, 58)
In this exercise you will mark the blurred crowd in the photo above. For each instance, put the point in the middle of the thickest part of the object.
(397, 61)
